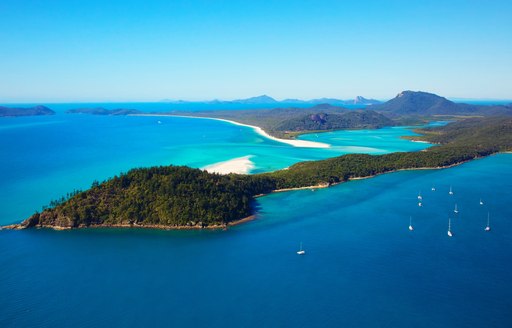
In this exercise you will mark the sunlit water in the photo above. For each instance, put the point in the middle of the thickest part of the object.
(362, 268)
(43, 158)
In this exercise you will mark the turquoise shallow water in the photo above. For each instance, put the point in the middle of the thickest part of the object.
(363, 267)
(43, 158)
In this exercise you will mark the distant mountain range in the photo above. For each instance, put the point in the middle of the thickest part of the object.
(405, 104)
(419, 103)
(29, 111)
(264, 99)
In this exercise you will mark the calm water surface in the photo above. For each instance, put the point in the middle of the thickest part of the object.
(363, 267)
(43, 158)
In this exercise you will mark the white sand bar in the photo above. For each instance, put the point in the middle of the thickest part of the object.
(295, 143)
(240, 165)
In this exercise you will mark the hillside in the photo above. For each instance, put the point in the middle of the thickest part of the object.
(159, 196)
(29, 111)
(366, 119)
(419, 103)
(280, 121)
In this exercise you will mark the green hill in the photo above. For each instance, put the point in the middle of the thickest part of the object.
(279, 121)
(419, 103)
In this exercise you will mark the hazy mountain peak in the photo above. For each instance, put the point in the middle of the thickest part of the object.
(263, 99)
(365, 101)
(424, 103)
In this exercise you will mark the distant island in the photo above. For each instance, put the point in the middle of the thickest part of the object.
(103, 111)
(264, 99)
(28, 111)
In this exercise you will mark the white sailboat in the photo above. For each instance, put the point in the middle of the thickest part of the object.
(481, 202)
(419, 196)
(433, 188)
(488, 227)
(451, 191)
(410, 224)
(449, 228)
(456, 210)
(301, 251)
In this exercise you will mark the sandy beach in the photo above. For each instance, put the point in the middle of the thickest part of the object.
(257, 129)
(240, 165)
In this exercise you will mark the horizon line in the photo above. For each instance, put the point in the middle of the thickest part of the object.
(170, 100)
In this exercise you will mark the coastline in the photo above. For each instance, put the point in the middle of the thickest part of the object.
(257, 129)
(251, 217)
(239, 165)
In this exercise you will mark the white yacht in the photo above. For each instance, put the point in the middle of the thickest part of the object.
(449, 228)
(301, 251)
(488, 227)
(410, 224)
(451, 191)
(455, 210)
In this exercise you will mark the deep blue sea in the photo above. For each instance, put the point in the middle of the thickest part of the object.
(362, 268)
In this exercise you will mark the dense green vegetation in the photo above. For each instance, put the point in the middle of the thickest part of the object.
(29, 111)
(166, 196)
(180, 196)
(280, 122)
(323, 121)
(103, 111)
(459, 142)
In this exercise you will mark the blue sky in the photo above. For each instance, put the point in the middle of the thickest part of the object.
(150, 50)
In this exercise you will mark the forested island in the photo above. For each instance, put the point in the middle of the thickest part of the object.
(103, 111)
(26, 111)
(182, 197)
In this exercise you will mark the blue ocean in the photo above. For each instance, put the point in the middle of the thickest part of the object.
(362, 268)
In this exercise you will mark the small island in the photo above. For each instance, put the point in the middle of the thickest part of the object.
(103, 111)
(28, 111)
